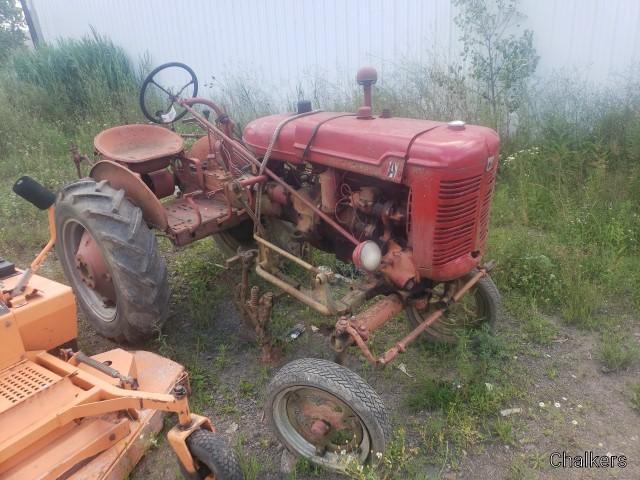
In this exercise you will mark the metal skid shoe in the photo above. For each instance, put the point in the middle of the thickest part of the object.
(255, 308)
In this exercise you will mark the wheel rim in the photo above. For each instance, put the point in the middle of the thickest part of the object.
(470, 313)
(320, 427)
(89, 272)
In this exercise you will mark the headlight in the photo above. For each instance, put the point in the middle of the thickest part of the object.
(367, 255)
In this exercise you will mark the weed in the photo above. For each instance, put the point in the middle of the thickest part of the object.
(537, 460)
(228, 405)
(221, 358)
(249, 464)
(392, 464)
(503, 429)
(635, 396)
(618, 350)
(433, 394)
(305, 467)
(482, 384)
(76, 78)
(247, 388)
(519, 470)
(538, 329)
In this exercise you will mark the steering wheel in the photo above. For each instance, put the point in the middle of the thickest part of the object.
(166, 114)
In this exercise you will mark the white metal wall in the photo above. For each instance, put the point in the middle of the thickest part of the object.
(282, 40)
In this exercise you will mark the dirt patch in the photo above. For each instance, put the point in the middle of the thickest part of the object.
(585, 410)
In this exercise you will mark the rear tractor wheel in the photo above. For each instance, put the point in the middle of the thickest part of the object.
(478, 307)
(327, 414)
(110, 257)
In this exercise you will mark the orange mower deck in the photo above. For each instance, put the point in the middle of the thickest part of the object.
(64, 418)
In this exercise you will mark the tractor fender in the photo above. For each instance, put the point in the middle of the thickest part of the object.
(135, 189)
(200, 149)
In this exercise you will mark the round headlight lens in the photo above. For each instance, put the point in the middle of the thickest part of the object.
(367, 255)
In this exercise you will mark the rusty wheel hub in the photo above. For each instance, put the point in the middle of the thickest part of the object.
(93, 270)
(324, 421)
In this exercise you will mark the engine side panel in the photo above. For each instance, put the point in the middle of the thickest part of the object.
(450, 172)
(376, 147)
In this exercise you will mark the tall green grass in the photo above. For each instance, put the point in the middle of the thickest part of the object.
(77, 79)
(566, 218)
(50, 98)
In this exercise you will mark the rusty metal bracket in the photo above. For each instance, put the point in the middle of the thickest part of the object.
(189, 198)
(78, 158)
(256, 309)
(356, 330)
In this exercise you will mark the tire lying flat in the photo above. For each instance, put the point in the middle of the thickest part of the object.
(129, 250)
(328, 389)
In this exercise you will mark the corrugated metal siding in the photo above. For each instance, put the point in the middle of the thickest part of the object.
(283, 40)
(599, 35)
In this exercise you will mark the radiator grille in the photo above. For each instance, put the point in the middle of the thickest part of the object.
(23, 381)
(485, 208)
(455, 228)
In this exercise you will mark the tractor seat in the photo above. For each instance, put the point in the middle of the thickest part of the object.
(143, 148)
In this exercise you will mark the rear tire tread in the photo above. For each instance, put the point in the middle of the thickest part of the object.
(130, 251)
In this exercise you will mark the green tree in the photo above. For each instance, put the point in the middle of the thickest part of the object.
(501, 56)
(12, 28)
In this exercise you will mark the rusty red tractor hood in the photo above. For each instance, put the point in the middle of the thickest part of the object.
(449, 168)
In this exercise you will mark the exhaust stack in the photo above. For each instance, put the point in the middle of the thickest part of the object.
(366, 77)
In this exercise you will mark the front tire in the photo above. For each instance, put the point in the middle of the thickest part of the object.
(478, 307)
(213, 456)
(327, 414)
(130, 302)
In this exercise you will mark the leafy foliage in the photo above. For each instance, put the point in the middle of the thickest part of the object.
(12, 28)
(500, 59)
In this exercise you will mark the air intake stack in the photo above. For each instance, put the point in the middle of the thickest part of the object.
(366, 77)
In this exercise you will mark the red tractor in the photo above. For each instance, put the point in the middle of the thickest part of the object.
(406, 201)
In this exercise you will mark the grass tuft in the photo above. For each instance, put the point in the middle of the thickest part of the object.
(635, 396)
(618, 350)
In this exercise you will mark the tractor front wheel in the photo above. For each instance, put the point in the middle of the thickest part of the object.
(110, 257)
(327, 414)
(480, 306)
